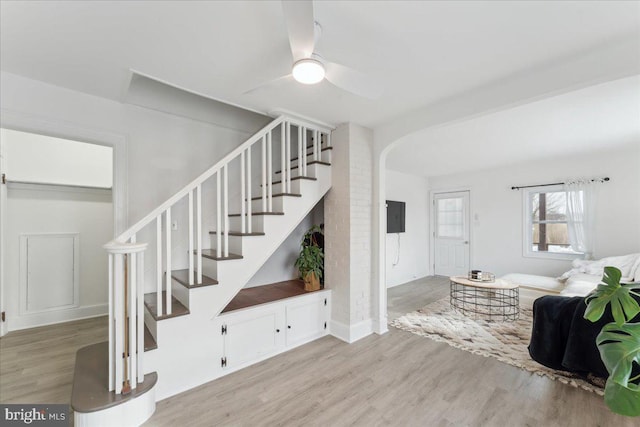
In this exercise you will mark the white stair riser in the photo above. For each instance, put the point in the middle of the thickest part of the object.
(276, 202)
(235, 243)
(311, 173)
(257, 223)
(180, 292)
(151, 324)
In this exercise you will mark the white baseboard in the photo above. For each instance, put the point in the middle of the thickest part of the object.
(58, 316)
(379, 326)
(405, 281)
(351, 333)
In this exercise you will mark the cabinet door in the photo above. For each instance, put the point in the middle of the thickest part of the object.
(252, 335)
(306, 319)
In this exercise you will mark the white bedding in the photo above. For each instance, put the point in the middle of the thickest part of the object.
(582, 278)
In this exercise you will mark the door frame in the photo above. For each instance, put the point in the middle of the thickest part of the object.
(432, 225)
(56, 128)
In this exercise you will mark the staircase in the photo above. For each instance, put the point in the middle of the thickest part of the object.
(167, 286)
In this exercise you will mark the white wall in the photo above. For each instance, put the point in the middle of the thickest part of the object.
(410, 259)
(280, 266)
(164, 151)
(497, 233)
(44, 159)
(45, 209)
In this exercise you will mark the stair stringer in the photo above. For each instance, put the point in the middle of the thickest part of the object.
(189, 346)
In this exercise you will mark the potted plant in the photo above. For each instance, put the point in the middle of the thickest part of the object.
(310, 261)
(619, 341)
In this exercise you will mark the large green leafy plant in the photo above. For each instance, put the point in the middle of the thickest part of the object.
(618, 341)
(311, 257)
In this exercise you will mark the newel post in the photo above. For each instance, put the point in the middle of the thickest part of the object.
(126, 315)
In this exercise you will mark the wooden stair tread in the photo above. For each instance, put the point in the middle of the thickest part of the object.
(279, 195)
(182, 277)
(308, 178)
(249, 297)
(258, 213)
(91, 376)
(240, 233)
(313, 162)
(213, 254)
(177, 309)
(149, 342)
(311, 154)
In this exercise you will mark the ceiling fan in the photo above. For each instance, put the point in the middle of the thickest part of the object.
(311, 68)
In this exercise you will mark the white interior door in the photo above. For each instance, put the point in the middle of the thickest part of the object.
(451, 233)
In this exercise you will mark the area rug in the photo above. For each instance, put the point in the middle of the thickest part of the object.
(505, 341)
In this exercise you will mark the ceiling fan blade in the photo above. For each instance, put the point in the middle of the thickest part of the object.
(273, 83)
(298, 16)
(353, 81)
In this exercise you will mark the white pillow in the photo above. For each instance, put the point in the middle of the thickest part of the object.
(579, 266)
(624, 263)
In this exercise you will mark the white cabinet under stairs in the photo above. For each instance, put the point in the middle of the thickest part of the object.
(253, 334)
(170, 287)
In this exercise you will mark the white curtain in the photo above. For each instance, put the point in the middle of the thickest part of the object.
(581, 199)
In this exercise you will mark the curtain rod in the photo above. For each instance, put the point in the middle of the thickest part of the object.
(606, 178)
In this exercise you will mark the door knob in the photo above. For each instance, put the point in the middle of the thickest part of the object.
(466, 242)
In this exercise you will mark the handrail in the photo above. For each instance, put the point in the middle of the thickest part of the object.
(127, 234)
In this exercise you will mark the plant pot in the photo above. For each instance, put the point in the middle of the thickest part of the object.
(311, 282)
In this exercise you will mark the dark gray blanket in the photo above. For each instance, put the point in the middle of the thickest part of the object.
(562, 339)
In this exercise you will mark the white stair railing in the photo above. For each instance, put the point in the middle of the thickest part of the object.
(126, 269)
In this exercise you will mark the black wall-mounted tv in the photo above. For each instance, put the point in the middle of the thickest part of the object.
(395, 216)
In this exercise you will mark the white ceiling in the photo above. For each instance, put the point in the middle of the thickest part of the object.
(423, 52)
(605, 116)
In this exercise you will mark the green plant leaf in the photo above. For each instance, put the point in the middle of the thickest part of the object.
(623, 400)
(619, 347)
(623, 306)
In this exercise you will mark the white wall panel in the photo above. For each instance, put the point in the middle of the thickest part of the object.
(49, 272)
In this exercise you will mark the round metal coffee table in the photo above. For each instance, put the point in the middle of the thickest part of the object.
(497, 300)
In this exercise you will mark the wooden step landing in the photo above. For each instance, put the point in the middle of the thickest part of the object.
(314, 162)
(259, 213)
(213, 254)
(249, 297)
(177, 309)
(182, 277)
(149, 342)
(91, 377)
(240, 233)
(295, 178)
(279, 195)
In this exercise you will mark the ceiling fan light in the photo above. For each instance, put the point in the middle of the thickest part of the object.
(308, 71)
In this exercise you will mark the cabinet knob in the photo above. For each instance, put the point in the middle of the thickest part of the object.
(289, 326)
(277, 330)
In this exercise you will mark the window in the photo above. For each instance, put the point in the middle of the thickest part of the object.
(546, 224)
(450, 222)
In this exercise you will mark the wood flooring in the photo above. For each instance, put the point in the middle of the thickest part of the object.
(397, 379)
(36, 365)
